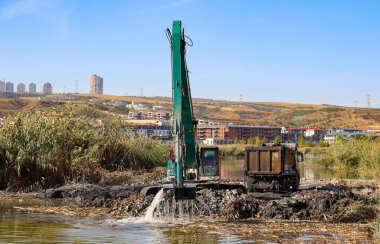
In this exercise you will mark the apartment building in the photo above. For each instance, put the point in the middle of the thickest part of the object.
(20, 88)
(96, 84)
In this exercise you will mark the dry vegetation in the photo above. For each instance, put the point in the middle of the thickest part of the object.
(260, 113)
(50, 147)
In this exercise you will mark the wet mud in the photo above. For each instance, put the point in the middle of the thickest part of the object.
(335, 201)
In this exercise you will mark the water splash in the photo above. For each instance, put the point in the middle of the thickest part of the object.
(155, 203)
(206, 207)
(170, 211)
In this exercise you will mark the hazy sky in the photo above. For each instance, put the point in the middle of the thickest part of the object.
(324, 51)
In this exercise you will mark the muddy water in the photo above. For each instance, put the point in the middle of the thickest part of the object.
(18, 226)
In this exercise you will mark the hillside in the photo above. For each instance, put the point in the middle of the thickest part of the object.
(261, 113)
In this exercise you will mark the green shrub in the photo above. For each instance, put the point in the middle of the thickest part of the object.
(323, 143)
(277, 139)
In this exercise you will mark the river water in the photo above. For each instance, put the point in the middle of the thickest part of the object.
(309, 169)
(21, 227)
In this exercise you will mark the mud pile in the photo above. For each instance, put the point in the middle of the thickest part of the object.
(326, 203)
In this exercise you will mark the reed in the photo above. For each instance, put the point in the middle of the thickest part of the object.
(353, 154)
(49, 148)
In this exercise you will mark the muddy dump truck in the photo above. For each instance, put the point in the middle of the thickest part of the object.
(272, 167)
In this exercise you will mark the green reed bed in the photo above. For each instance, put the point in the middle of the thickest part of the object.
(49, 148)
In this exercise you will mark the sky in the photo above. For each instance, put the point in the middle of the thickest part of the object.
(318, 52)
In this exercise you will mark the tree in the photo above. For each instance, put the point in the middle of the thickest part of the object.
(236, 140)
(243, 141)
(323, 143)
(301, 141)
(277, 139)
(256, 141)
(264, 140)
(250, 141)
(339, 138)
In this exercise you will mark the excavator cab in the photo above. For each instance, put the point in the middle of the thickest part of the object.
(209, 163)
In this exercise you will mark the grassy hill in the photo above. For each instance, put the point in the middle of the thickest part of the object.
(261, 113)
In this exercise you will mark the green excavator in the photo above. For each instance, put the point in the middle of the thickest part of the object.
(188, 166)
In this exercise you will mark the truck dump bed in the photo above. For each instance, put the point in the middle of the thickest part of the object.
(272, 167)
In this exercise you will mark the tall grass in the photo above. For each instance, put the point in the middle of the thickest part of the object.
(353, 154)
(47, 148)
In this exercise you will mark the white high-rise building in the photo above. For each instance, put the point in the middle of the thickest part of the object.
(9, 87)
(32, 88)
(96, 84)
(21, 88)
(47, 88)
(2, 86)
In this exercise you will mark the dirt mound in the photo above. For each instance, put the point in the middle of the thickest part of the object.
(334, 201)
(328, 203)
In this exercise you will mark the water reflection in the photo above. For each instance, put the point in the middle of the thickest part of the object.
(196, 237)
(310, 169)
(233, 168)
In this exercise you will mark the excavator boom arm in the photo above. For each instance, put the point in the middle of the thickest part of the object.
(183, 120)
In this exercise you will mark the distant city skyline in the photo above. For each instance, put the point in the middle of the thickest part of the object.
(21, 87)
(315, 52)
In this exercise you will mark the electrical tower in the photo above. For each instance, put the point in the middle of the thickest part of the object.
(76, 87)
(356, 103)
(368, 101)
(241, 97)
(141, 92)
(368, 104)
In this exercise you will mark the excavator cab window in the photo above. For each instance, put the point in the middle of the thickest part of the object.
(209, 162)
